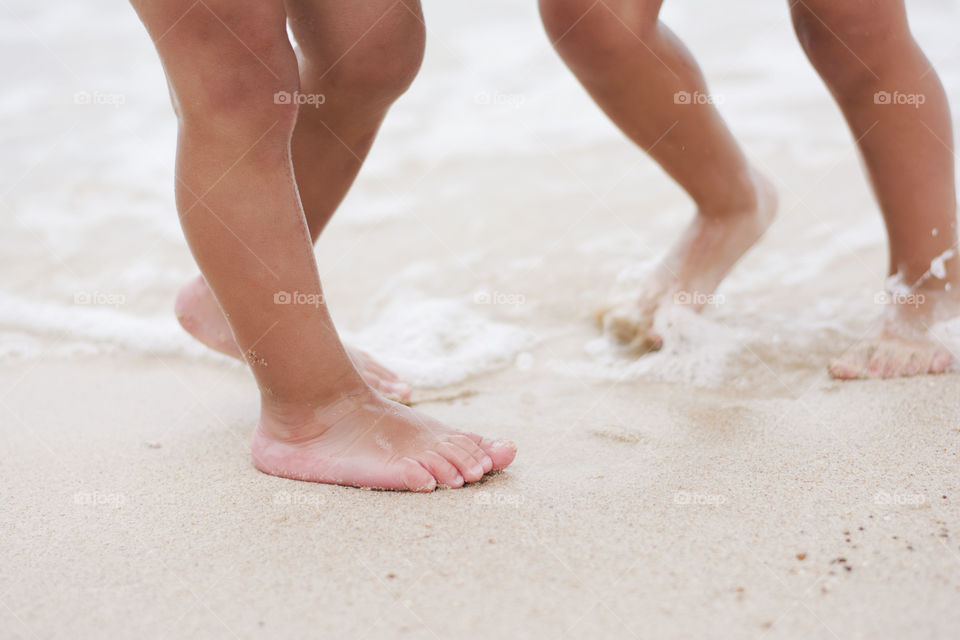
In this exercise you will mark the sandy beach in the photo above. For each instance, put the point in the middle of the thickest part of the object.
(723, 487)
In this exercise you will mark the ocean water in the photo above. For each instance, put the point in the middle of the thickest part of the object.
(498, 208)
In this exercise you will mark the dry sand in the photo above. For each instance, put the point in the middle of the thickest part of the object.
(722, 488)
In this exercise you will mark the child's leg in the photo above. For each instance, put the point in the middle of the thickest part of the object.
(360, 66)
(241, 214)
(898, 113)
(649, 85)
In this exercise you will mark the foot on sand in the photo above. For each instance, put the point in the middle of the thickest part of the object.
(365, 440)
(692, 271)
(198, 313)
(903, 346)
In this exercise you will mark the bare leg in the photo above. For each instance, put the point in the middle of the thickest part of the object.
(359, 67)
(643, 77)
(241, 213)
(898, 113)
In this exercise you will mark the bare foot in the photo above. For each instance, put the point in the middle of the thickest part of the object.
(904, 345)
(198, 313)
(692, 271)
(365, 440)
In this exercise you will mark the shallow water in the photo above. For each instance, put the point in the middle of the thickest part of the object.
(498, 208)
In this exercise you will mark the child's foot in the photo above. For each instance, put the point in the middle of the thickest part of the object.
(903, 346)
(364, 440)
(198, 313)
(694, 268)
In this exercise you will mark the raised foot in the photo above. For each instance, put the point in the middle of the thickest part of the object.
(200, 315)
(365, 440)
(692, 270)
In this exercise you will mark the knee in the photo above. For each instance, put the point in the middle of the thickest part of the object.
(588, 34)
(373, 71)
(234, 81)
(235, 105)
(849, 44)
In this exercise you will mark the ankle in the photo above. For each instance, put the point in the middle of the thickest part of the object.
(298, 420)
(741, 196)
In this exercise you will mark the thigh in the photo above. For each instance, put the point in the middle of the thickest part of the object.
(220, 52)
(851, 18)
(330, 29)
(598, 27)
(204, 34)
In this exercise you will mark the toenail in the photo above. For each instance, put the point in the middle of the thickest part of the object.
(430, 486)
(499, 444)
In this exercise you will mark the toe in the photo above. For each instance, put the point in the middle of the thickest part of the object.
(376, 369)
(896, 365)
(471, 447)
(941, 362)
(877, 366)
(501, 452)
(402, 390)
(841, 369)
(413, 476)
(396, 391)
(655, 341)
(367, 361)
(466, 464)
(631, 326)
(442, 470)
(385, 381)
(915, 365)
(625, 323)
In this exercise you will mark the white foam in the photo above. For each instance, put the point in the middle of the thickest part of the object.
(47, 328)
(896, 285)
(697, 350)
(938, 266)
(437, 342)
